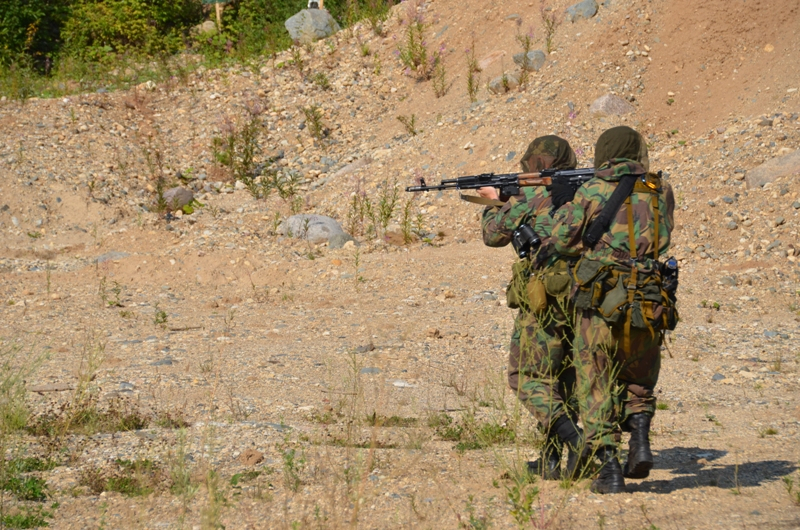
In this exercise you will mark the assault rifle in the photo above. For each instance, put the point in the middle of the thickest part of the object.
(509, 184)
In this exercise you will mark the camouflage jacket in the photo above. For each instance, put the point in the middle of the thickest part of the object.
(573, 219)
(499, 223)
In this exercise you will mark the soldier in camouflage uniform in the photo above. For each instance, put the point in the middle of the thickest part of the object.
(540, 369)
(621, 306)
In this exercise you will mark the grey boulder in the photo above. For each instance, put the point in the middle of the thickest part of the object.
(315, 228)
(310, 25)
(177, 198)
(207, 28)
(770, 170)
(586, 9)
(532, 62)
(610, 105)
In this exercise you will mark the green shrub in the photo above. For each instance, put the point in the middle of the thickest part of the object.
(31, 27)
(96, 28)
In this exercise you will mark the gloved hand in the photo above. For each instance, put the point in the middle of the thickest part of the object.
(560, 193)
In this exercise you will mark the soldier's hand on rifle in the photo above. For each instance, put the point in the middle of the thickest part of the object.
(488, 193)
(561, 193)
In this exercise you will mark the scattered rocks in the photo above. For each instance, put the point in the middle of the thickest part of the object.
(533, 61)
(610, 105)
(583, 10)
(310, 25)
(771, 170)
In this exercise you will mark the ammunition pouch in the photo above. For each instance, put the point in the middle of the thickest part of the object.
(554, 281)
(529, 288)
(623, 296)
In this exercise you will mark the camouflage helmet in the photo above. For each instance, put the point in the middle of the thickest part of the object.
(546, 152)
(621, 142)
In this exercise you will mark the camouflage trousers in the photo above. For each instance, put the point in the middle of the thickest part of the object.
(540, 370)
(613, 383)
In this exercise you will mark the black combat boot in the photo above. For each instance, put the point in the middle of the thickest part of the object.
(548, 466)
(640, 458)
(572, 437)
(610, 478)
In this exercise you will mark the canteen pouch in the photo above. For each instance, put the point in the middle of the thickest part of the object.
(516, 291)
(537, 294)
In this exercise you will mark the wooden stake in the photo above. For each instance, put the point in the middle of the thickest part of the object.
(218, 7)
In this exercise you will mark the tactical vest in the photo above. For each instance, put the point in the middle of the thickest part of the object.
(628, 296)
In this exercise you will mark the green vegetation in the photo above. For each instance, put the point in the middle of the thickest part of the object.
(54, 47)
(130, 478)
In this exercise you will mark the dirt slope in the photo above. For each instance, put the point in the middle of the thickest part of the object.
(365, 386)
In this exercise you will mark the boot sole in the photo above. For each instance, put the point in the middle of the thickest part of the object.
(617, 488)
(640, 470)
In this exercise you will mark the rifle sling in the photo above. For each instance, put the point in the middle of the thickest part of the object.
(603, 221)
(480, 200)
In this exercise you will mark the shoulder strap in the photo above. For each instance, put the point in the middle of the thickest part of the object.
(600, 225)
(481, 200)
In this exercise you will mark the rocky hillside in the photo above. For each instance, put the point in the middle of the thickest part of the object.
(275, 352)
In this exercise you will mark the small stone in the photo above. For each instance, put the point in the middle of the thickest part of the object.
(251, 457)
(364, 348)
(166, 361)
(610, 105)
(312, 227)
(796, 205)
(369, 370)
(583, 10)
(533, 61)
(176, 198)
(731, 225)
(434, 333)
(111, 256)
(503, 84)
(717, 377)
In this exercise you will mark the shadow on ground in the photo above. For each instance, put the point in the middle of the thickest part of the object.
(693, 467)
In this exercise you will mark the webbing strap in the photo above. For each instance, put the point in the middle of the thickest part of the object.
(633, 280)
(631, 235)
(655, 227)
